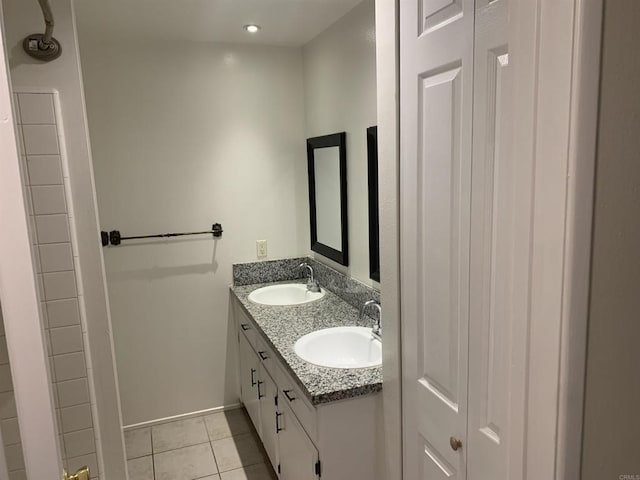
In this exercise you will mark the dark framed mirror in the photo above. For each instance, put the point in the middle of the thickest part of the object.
(374, 216)
(327, 168)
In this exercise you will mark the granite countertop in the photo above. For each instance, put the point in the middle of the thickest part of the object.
(282, 326)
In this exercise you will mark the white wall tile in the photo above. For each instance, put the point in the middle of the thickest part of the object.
(5, 379)
(52, 369)
(15, 460)
(7, 405)
(44, 170)
(10, 431)
(66, 340)
(73, 392)
(28, 201)
(76, 418)
(59, 285)
(36, 259)
(20, 141)
(69, 366)
(63, 313)
(79, 443)
(56, 257)
(40, 139)
(48, 199)
(36, 108)
(52, 228)
(40, 284)
(4, 354)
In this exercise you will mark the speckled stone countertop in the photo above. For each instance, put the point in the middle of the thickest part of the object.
(282, 326)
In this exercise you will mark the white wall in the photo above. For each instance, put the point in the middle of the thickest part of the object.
(340, 96)
(611, 416)
(184, 136)
(22, 18)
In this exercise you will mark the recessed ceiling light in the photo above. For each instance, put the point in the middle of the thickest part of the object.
(252, 28)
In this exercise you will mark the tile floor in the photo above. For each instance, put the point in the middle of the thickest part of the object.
(221, 446)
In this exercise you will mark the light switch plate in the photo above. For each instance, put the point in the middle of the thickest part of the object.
(261, 248)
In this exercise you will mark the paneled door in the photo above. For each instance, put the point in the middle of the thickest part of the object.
(493, 270)
(436, 75)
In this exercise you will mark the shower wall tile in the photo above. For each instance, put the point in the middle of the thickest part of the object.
(69, 366)
(66, 340)
(40, 140)
(73, 392)
(36, 108)
(76, 418)
(47, 198)
(52, 228)
(59, 285)
(44, 170)
(63, 313)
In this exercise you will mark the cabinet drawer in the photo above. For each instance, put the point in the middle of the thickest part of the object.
(266, 355)
(290, 394)
(246, 326)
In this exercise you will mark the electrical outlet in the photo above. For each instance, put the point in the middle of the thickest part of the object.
(261, 247)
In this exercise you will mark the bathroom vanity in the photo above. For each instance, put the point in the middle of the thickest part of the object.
(313, 421)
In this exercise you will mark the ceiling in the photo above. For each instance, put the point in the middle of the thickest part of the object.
(283, 22)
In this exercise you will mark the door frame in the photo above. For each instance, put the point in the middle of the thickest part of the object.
(20, 306)
(560, 43)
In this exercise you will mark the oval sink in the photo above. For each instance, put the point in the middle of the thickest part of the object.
(340, 347)
(286, 294)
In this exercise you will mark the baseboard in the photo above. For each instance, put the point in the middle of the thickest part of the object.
(182, 416)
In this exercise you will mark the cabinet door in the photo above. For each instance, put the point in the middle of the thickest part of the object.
(298, 456)
(249, 365)
(269, 414)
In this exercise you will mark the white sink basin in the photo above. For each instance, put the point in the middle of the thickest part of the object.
(285, 294)
(340, 347)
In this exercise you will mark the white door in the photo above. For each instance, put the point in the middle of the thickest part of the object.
(19, 300)
(436, 75)
(493, 249)
(298, 455)
(268, 415)
(249, 366)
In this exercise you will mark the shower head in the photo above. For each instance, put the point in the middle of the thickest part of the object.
(43, 46)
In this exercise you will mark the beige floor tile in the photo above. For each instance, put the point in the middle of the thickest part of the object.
(182, 433)
(140, 468)
(239, 451)
(138, 442)
(227, 424)
(186, 463)
(261, 471)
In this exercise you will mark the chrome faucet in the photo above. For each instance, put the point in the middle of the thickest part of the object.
(312, 283)
(377, 329)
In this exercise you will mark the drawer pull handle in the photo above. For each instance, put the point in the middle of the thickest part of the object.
(244, 326)
(260, 395)
(289, 397)
(263, 355)
(278, 429)
(253, 381)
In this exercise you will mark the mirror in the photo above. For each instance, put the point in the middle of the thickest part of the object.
(374, 217)
(327, 169)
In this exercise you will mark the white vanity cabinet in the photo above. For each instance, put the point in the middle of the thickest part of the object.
(333, 441)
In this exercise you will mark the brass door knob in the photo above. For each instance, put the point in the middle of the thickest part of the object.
(81, 474)
(456, 443)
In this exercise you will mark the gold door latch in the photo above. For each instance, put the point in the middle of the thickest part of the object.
(455, 443)
(81, 474)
